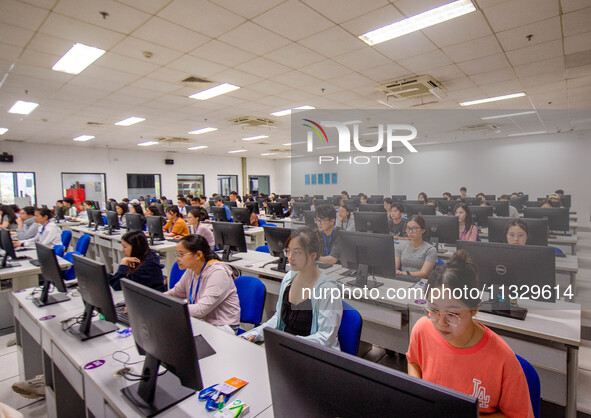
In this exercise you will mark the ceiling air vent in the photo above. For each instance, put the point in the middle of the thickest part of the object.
(280, 150)
(480, 127)
(192, 81)
(95, 124)
(253, 121)
(411, 87)
(174, 139)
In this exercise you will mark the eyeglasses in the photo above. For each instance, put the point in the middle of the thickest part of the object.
(452, 319)
(320, 221)
(412, 229)
(516, 236)
(294, 253)
(179, 255)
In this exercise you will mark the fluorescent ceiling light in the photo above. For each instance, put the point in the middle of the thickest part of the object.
(3, 131)
(288, 111)
(214, 91)
(492, 99)
(130, 121)
(198, 147)
(528, 133)
(269, 153)
(508, 115)
(147, 143)
(202, 131)
(23, 108)
(418, 22)
(252, 138)
(236, 150)
(77, 59)
(83, 138)
(288, 144)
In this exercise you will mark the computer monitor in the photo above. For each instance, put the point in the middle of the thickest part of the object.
(111, 206)
(375, 200)
(8, 247)
(514, 265)
(368, 254)
(241, 215)
(537, 230)
(322, 202)
(284, 203)
(535, 203)
(112, 221)
(230, 204)
(160, 207)
(134, 222)
(96, 204)
(310, 219)
(558, 218)
(377, 196)
(309, 380)
(399, 197)
(518, 203)
(230, 237)
(163, 333)
(375, 222)
(299, 208)
(490, 197)
(97, 218)
(277, 241)
(275, 209)
(480, 215)
(155, 225)
(372, 207)
(472, 201)
(59, 213)
(441, 229)
(420, 209)
(319, 196)
(336, 200)
(500, 207)
(93, 285)
(565, 200)
(446, 206)
(219, 214)
(352, 203)
(167, 201)
(52, 275)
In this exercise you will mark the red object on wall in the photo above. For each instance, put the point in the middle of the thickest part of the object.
(79, 196)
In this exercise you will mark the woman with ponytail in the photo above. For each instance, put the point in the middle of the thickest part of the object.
(449, 348)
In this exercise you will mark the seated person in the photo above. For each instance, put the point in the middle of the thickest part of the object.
(235, 198)
(422, 197)
(554, 200)
(121, 210)
(388, 203)
(344, 196)
(433, 202)
(516, 232)
(176, 225)
(207, 283)
(8, 217)
(137, 208)
(447, 347)
(195, 219)
(447, 195)
(297, 312)
(217, 201)
(27, 227)
(196, 202)
(140, 264)
(468, 230)
(330, 234)
(463, 192)
(254, 219)
(396, 224)
(48, 234)
(481, 196)
(415, 257)
(345, 219)
(547, 204)
(362, 199)
(69, 208)
(513, 212)
(181, 204)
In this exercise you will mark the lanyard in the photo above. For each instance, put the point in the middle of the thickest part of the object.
(327, 248)
(172, 227)
(198, 284)
(347, 225)
(43, 229)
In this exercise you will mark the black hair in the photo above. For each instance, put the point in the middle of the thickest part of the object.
(505, 197)
(139, 244)
(469, 221)
(182, 199)
(154, 210)
(325, 212)
(29, 210)
(388, 200)
(559, 191)
(398, 206)
(434, 203)
(123, 207)
(516, 222)
(348, 209)
(59, 201)
(309, 239)
(8, 211)
(458, 273)
(195, 243)
(125, 199)
(69, 200)
(172, 209)
(345, 192)
(199, 213)
(418, 219)
(447, 193)
(425, 198)
(234, 193)
(44, 212)
(138, 208)
(463, 189)
(361, 195)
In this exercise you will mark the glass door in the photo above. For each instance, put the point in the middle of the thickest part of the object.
(191, 184)
(259, 184)
(18, 188)
(227, 184)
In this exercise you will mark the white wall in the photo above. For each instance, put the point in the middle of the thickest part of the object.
(49, 161)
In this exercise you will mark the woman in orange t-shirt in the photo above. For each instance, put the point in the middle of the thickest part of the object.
(449, 348)
(175, 225)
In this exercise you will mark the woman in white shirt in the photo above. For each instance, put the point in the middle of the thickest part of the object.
(345, 218)
(49, 233)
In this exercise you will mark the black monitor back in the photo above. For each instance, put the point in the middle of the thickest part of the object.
(219, 214)
(50, 269)
(6, 243)
(230, 233)
(134, 222)
(500, 207)
(372, 207)
(375, 200)
(277, 239)
(537, 230)
(308, 380)
(300, 207)
(113, 219)
(445, 228)
(373, 250)
(558, 218)
(446, 206)
(93, 284)
(371, 222)
(241, 215)
(320, 202)
(275, 209)
(490, 197)
(310, 219)
(480, 214)
(352, 203)
(155, 225)
(399, 197)
(230, 204)
(419, 209)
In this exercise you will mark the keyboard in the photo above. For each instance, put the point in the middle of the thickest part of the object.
(407, 278)
(34, 262)
(121, 315)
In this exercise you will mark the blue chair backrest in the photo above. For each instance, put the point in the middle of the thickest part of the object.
(533, 382)
(269, 224)
(59, 250)
(262, 222)
(252, 293)
(175, 275)
(440, 261)
(556, 250)
(70, 273)
(262, 249)
(350, 330)
(82, 245)
(66, 237)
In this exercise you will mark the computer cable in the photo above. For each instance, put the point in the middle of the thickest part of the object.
(126, 363)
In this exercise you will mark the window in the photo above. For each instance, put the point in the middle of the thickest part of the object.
(259, 184)
(85, 186)
(143, 185)
(18, 187)
(191, 184)
(227, 184)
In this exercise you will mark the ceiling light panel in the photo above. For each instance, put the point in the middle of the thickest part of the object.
(77, 59)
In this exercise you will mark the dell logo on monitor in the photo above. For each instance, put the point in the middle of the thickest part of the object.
(434, 228)
(501, 269)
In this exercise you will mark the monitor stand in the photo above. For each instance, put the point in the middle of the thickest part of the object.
(227, 255)
(504, 308)
(89, 329)
(281, 264)
(361, 280)
(438, 246)
(47, 299)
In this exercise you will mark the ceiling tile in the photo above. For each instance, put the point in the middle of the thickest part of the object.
(296, 79)
(540, 67)
(352, 80)
(164, 33)
(542, 78)
(509, 15)
(576, 22)
(459, 84)
(326, 70)
(340, 11)
(421, 64)
(77, 31)
(445, 34)
(332, 42)
(270, 87)
(148, 6)
(125, 64)
(387, 72)
(37, 59)
(155, 85)
(493, 77)
(406, 46)
(448, 72)
(249, 9)
(263, 67)
(293, 20)
(222, 53)
(414, 7)
(133, 48)
(470, 50)
(373, 20)
(254, 38)
(362, 59)
(294, 56)
(236, 77)
(196, 66)
(201, 16)
(484, 4)
(577, 43)
(14, 35)
(544, 31)
(572, 5)
(535, 53)
(9, 52)
(23, 15)
(485, 64)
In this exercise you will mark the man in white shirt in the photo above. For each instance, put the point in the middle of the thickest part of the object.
(234, 198)
(181, 203)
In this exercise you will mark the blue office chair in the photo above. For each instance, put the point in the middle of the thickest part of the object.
(533, 382)
(262, 249)
(66, 237)
(557, 250)
(350, 330)
(81, 249)
(82, 244)
(270, 224)
(59, 250)
(440, 262)
(175, 275)
(262, 222)
(252, 293)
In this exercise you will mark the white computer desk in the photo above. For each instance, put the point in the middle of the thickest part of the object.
(44, 348)
(548, 338)
(255, 234)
